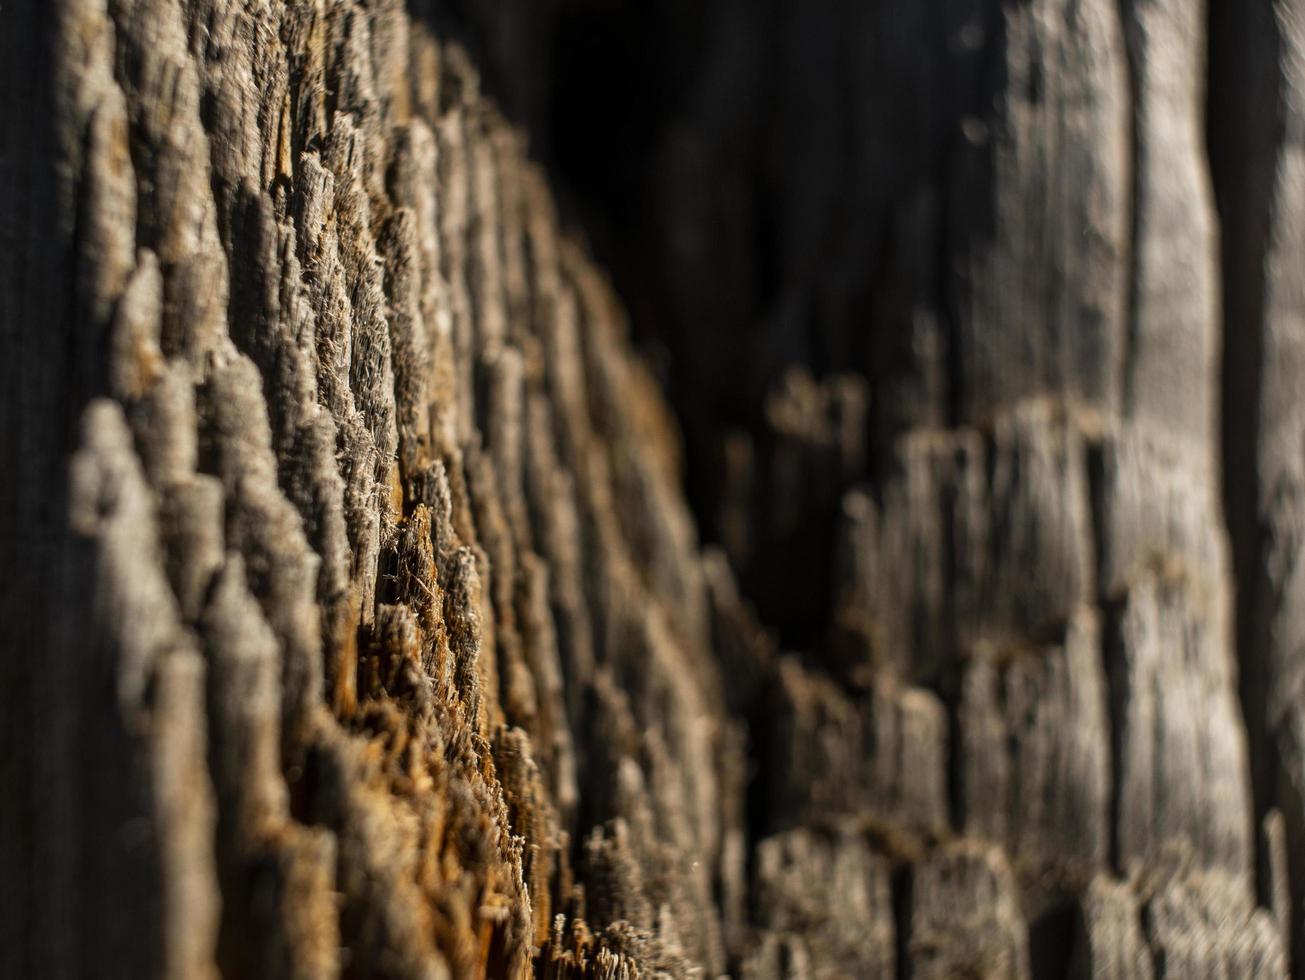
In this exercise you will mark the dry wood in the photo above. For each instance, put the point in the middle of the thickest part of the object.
(355, 621)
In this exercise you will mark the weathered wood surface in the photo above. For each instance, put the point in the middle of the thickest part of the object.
(1008, 297)
(356, 621)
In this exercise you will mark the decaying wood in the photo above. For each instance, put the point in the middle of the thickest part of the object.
(355, 620)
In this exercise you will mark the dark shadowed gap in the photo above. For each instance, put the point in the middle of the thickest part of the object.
(1244, 130)
(1052, 936)
(751, 174)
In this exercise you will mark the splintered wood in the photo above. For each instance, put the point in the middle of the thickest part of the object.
(357, 626)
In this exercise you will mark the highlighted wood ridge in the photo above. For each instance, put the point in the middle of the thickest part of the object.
(355, 621)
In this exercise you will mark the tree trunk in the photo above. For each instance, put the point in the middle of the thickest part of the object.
(356, 619)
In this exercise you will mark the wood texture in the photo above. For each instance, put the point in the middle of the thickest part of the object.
(358, 624)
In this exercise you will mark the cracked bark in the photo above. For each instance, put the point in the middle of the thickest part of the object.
(357, 622)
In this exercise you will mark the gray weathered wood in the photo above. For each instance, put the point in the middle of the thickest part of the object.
(357, 621)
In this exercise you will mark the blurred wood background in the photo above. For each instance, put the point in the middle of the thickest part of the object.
(854, 533)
